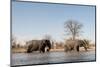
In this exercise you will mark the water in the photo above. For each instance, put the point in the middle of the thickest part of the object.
(51, 57)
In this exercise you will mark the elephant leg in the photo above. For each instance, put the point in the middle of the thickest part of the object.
(43, 50)
(85, 48)
(72, 48)
(48, 50)
(77, 48)
(40, 49)
(29, 50)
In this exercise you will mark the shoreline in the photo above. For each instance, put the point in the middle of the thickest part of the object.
(23, 50)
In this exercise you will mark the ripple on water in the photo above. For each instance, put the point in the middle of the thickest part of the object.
(51, 57)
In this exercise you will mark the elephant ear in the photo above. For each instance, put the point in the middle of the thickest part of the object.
(43, 42)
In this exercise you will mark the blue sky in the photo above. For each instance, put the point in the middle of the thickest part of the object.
(34, 20)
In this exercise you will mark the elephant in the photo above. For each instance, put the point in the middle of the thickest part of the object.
(75, 44)
(39, 45)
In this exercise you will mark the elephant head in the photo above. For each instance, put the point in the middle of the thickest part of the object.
(46, 45)
(83, 43)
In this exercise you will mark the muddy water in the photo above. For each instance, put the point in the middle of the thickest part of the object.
(51, 57)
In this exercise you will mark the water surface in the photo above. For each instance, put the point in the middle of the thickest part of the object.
(51, 57)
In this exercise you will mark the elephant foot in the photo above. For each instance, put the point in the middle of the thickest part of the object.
(29, 51)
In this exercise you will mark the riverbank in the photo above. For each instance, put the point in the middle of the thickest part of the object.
(18, 50)
(23, 50)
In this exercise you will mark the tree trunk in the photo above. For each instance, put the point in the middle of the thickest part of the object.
(73, 37)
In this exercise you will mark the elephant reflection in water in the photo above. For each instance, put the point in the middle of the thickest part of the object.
(39, 45)
(75, 45)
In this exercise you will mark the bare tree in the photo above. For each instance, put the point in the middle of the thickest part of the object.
(73, 28)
